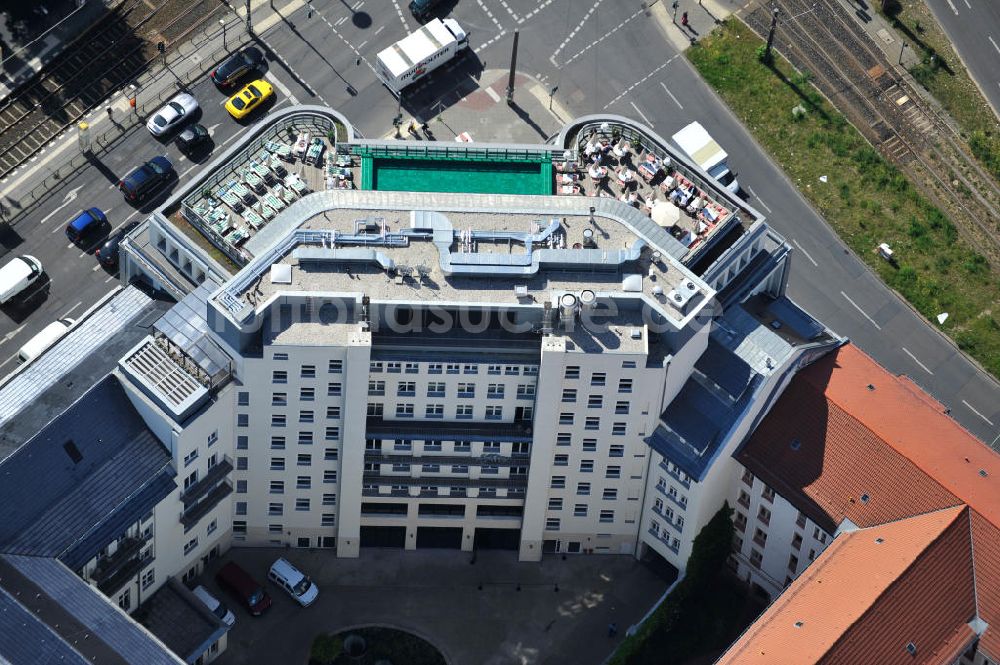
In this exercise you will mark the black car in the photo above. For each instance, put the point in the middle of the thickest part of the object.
(423, 9)
(146, 180)
(236, 65)
(192, 138)
(107, 253)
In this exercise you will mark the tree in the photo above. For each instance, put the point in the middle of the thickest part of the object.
(711, 547)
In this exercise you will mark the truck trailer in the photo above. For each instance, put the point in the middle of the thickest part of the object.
(699, 145)
(420, 53)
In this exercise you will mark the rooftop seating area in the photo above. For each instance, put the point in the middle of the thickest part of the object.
(609, 165)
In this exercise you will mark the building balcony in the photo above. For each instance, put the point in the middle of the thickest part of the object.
(114, 571)
(513, 482)
(665, 540)
(444, 430)
(673, 473)
(206, 484)
(191, 516)
(491, 459)
(744, 501)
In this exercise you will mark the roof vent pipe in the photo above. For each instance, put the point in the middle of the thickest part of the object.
(568, 306)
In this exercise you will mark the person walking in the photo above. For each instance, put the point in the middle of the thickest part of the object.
(684, 19)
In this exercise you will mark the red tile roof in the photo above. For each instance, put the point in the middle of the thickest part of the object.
(860, 431)
(868, 595)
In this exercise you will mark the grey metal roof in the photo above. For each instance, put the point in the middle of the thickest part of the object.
(180, 620)
(724, 368)
(185, 325)
(69, 594)
(48, 502)
(756, 344)
(84, 339)
(27, 640)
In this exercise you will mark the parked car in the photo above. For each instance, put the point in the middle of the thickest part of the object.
(242, 586)
(146, 180)
(85, 224)
(107, 253)
(423, 9)
(215, 605)
(250, 97)
(173, 114)
(294, 582)
(18, 274)
(48, 336)
(236, 65)
(191, 138)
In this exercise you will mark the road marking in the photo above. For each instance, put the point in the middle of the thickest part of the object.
(667, 90)
(190, 168)
(399, 13)
(586, 17)
(967, 4)
(69, 198)
(362, 44)
(9, 336)
(863, 313)
(284, 89)
(70, 310)
(109, 279)
(97, 266)
(639, 82)
(952, 5)
(971, 408)
(805, 253)
(914, 358)
(340, 22)
(638, 12)
(759, 200)
(8, 359)
(381, 28)
(492, 93)
(641, 114)
(994, 44)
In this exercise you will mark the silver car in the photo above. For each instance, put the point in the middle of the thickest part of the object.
(175, 113)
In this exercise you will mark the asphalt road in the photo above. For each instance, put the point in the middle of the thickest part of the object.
(973, 27)
(601, 56)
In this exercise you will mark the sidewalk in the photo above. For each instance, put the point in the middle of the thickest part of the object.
(702, 17)
(49, 35)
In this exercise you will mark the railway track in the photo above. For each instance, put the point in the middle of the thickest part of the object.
(100, 62)
(847, 66)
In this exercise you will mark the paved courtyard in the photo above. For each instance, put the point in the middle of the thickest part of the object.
(517, 617)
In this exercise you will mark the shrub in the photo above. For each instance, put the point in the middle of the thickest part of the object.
(326, 648)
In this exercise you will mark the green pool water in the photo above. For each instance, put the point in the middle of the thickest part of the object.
(437, 175)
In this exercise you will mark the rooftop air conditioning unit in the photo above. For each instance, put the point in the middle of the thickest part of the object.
(521, 291)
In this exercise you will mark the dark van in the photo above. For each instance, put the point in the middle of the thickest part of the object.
(87, 222)
(146, 180)
(238, 582)
(422, 9)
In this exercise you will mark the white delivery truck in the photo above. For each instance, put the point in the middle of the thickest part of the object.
(706, 153)
(420, 53)
(49, 335)
(18, 275)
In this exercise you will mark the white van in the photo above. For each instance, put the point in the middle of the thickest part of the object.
(50, 334)
(17, 275)
(298, 586)
(215, 605)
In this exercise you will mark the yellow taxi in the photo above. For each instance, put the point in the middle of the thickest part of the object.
(250, 97)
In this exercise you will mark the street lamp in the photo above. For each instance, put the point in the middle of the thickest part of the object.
(901, 49)
(222, 22)
(552, 91)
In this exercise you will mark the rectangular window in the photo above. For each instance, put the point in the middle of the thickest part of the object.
(586, 466)
(403, 444)
(334, 389)
(306, 416)
(618, 429)
(563, 439)
(466, 390)
(301, 504)
(460, 468)
(329, 454)
(307, 394)
(592, 423)
(494, 369)
(566, 418)
(303, 482)
(277, 464)
(470, 369)
(463, 446)
(406, 389)
(435, 389)
(376, 409)
(589, 445)
(495, 391)
(569, 395)
(376, 388)
(335, 366)
(434, 411)
(598, 378)
(616, 450)
(276, 508)
(280, 356)
(242, 463)
(767, 493)
(239, 526)
(511, 370)
(552, 524)
(241, 487)
(435, 368)
(277, 443)
(531, 370)
(463, 411)
(305, 438)
(432, 446)
(555, 503)
(764, 515)
(304, 459)
(624, 385)
(328, 519)
(374, 367)
(213, 437)
(610, 494)
(452, 369)
(628, 364)
(595, 402)
(558, 482)
(494, 412)
(275, 528)
(430, 468)
(404, 410)
(411, 368)
(188, 548)
(621, 407)
(797, 541)
(394, 367)
(278, 420)
(242, 442)
(332, 412)
(580, 510)
(613, 472)
(572, 372)
(329, 499)
(607, 516)
(330, 476)
(583, 489)
(148, 578)
(308, 372)
(279, 376)
(561, 460)
(526, 390)
(190, 457)
(242, 419)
